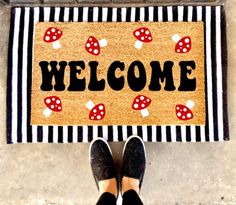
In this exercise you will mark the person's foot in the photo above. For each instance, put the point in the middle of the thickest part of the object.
(134, 163)
(102, 165)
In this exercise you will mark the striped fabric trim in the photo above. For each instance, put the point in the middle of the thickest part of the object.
(20, 55)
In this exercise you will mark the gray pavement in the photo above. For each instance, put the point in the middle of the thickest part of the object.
(177, 174)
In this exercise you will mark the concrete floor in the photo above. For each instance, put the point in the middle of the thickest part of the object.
(46, 174)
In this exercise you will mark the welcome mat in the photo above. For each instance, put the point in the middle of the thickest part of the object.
(75, 74)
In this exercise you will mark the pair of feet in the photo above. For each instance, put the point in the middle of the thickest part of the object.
(104, 171)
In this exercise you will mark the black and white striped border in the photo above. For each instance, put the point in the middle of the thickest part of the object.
(23, 20)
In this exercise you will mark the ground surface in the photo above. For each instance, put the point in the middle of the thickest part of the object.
(43, 174)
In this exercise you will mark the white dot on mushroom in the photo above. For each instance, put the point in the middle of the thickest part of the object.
(59, 108)
(185, 50)
(135, 105)
(102, 113)
(54, 37)
(178, 50)
(143, 105)
(53, 99)
(137, 33)
(142, 30)
(88, 45)
(48, 101)
(100, 107)
(188, 46)
(141, 98)
(52, 106)
(58, 101)
(94, 110)
(186, 40)
(53, 30)
(189, 115)
(48, 32)
(137, 100)
(90, 39)
(147, 32)
(185, 109)
(150, 38)
(180, 43)
(95, 44)
(177, 108)
(142, 38)
(98, 117)
(47, 38)
(178, 114)
(95, 51)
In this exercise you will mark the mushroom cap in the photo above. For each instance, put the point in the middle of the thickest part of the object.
(143, 34)
(53, 103)
(52, 34)
(141, 102)
(92, 46)
(98, 112)
(184, 45)
(183, 112)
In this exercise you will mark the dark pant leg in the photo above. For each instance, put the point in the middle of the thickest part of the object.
(106, 199)
(131, 198)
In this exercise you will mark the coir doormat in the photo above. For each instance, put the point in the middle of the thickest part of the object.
(75, 74)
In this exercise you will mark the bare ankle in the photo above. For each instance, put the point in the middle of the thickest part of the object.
(109, 185)
(129, 183)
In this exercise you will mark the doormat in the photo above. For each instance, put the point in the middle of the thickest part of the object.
(78, 73)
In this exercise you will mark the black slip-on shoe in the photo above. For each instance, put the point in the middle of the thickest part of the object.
(134, 159)
(101, 161)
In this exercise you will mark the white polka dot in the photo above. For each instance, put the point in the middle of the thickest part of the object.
(47, 38)
(142, 38)
(150, 38)
(52, 106)
(188, 46)
(137, 100)
(137, 33)
(177, 108)
(48, 32)
(95, 44)
(100, 107)
(147, 32)
(92, 117)
(143, 105)
(90, 49)
(53, 30)
(185, 109)
(180, 43)
(53, 99)
(98, 117)
(54, 37)
(102, 113)
(58, 101)
(88, 45)
(59, 107)
(90, 39)
(59, 32)
(189, 115)
(95, 51)
(136, 105)
(48, 101)
(94, 110)
(183, 117)
(178, 50)
(186, 40)
(142, 30)
(179, 114)
(148, 100)
(184, 50)
(141, 98)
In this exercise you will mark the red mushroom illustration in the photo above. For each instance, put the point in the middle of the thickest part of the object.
(52, 35)
(94, 45)
(141, 102)
(53, 103)
(97, 112)
(183, 45)
(143, 35)
(184, 112)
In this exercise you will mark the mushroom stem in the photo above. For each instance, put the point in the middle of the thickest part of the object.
(176, 38)
(90, 105)
(138, 44)
(144, 112)
(190, 104)
(47, 112)
(56, 44)
(103, 42)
